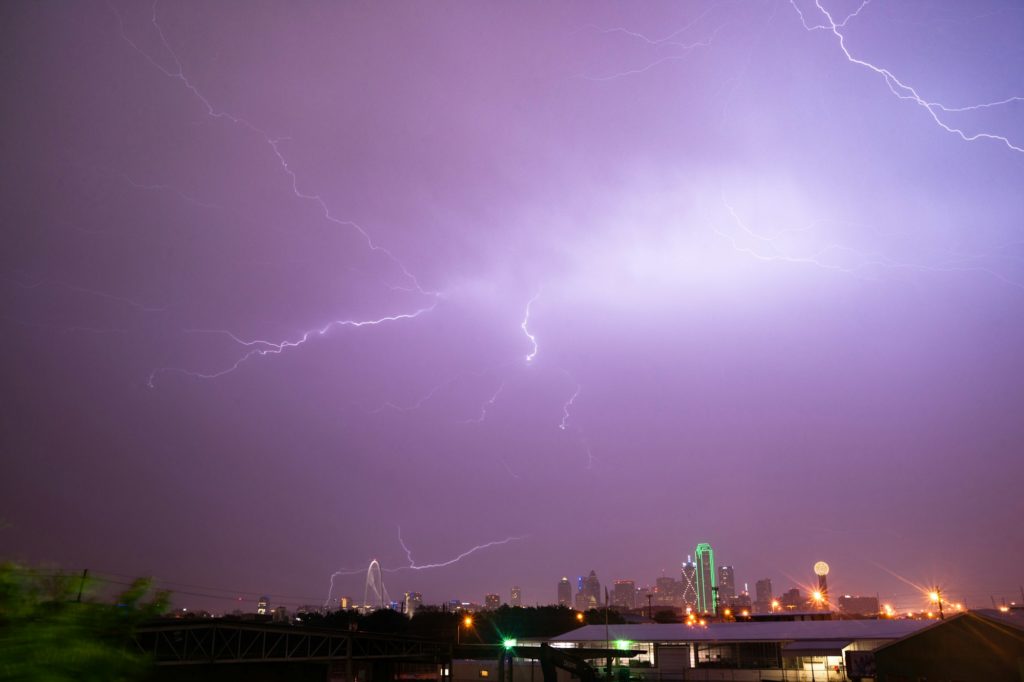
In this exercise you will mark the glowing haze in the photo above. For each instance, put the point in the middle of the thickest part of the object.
(551, 288)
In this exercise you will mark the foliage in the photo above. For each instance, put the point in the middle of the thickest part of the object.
(53, 628)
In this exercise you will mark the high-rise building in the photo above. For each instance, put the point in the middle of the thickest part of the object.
(413, 600)
(492, 601)
(707, 594)
(261, 606)
(726, 583)
(689, 584)
(517, 596)
(791, 599)
(592, 588)
(763, 595)
(858, 606)
(564, 592)
(624, 594)
(666, 591)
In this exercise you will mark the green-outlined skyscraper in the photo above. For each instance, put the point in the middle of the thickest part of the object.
(706, 579)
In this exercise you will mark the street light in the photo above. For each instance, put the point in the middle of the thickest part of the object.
(936, 596)
(467, 622)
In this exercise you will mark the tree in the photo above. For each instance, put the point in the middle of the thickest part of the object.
(52, 628)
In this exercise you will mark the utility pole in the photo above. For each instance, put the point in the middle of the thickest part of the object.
(650, 608)
(81, 585)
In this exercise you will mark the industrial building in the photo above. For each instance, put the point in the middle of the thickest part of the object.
(776, 650)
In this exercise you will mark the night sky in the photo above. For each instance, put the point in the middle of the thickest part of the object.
(592, 281)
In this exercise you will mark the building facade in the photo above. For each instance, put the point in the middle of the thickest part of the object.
(689, 584)
(565, 592)
(707, 597)
(624, 594)
(763, 595)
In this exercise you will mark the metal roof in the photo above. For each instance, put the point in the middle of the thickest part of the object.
(815, 647)
(770, 631)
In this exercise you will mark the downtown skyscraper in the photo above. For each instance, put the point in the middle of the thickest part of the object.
(707, 594)
(689, 584)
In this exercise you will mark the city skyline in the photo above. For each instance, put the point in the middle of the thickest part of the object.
(490, 294)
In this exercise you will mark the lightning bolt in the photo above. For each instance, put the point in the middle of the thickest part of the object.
(261, 347)
(525, 326)
(567, 406)
(412, 563)
(413, 566)
(274, 143)
(687, 48)
(487, 404)
(388, 405)
(903, 90)
(866, 262)
(671, 40)
(169, 188)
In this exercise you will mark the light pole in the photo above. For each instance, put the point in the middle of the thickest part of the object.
(936, 596)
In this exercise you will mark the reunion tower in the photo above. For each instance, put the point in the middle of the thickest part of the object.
(821, 570)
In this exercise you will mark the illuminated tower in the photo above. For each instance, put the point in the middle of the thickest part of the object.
(821, 570)
(726, 583)
(707, 594)
(564, 592)
(517, 596)
(689, 584)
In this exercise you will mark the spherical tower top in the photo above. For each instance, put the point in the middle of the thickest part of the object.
(821, 568)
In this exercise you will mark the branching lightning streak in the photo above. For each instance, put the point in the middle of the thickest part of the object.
(487, 404)
(822, 27)
(867, 261)
(273, 142)
(567, 406)
(525, 326)
(169, 188)
(388, 405)
(901, 89)
(260, 347)
(263, 347)
(412, 563)
(340, 572)
(668, 40)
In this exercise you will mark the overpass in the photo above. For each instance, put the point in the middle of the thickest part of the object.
(228, 650)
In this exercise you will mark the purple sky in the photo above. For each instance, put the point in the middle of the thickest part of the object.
(777, 293)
